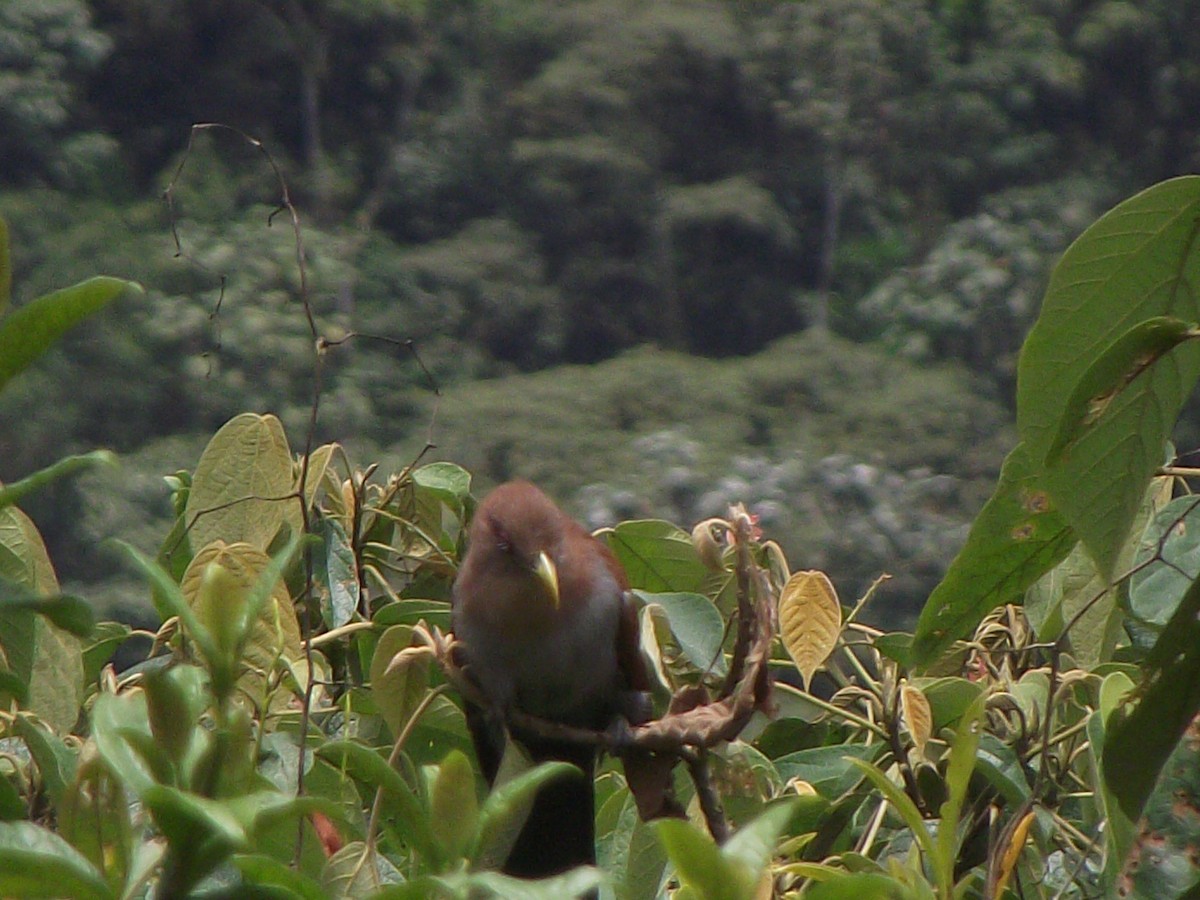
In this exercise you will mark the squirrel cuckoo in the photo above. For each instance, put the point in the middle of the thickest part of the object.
(545, 626)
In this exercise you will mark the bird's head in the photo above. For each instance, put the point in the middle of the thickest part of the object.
(517, 529)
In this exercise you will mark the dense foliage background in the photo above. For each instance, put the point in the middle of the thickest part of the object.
(614, 230)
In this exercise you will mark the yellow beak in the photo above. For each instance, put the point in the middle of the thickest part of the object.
(543, 568)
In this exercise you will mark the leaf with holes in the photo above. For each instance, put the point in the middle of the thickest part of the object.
(810, 620)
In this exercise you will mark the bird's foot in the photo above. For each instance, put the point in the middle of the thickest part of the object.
(619, 734)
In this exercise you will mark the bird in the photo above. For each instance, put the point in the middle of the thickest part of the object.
(544, 623)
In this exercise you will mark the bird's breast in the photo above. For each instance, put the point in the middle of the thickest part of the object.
(559, 665)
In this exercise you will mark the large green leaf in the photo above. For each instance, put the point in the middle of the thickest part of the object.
(1018, 536)
(657, 556)
(35, 862)
(1131, 265)
(31, 330)
(242, 482)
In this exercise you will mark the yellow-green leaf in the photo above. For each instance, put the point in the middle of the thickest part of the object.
(242, 485)
(918, 716)
(810, 620)
(398, 679)
(46, 658)
(276, 633)
(453, 805)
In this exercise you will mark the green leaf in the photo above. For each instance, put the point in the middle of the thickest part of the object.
(1131, 265)
(696, 624)
(828, 769)
(105, 639)
(949, 698)
(448, 479)
(1018, 536)
(508, 804)
(35, 862)
(1162, 859)
(115, 719)
(700, 863)
(860, 886)
(1131, 355)
(999, 764)
(200, 833)
(398, 693)
(263, 871)
(176, 698)
(1138, 745)
(1158, 585)
(32, 329)
(242, 484)
(627, 848)
(753, 845)
(94, 816)
(411, 818)
(903, 805)
(1118, 832)
(69, 613)
(12, 804)
(575, 883)
(44, 657)
(56, 762)
(412, 611)
(958, 777)
(13, 493)
(171, 597)
(355, 871)
(658, 557)
(1074, 592)
(454, 809)
(338, 575)
(13, 686)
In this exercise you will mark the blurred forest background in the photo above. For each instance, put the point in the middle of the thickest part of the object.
(659, 256)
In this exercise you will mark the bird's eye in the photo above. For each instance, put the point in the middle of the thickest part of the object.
(503, 542)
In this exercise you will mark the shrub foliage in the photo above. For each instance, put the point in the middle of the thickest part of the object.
(293, 726)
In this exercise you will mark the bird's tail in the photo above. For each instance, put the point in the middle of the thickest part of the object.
(560, 831)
